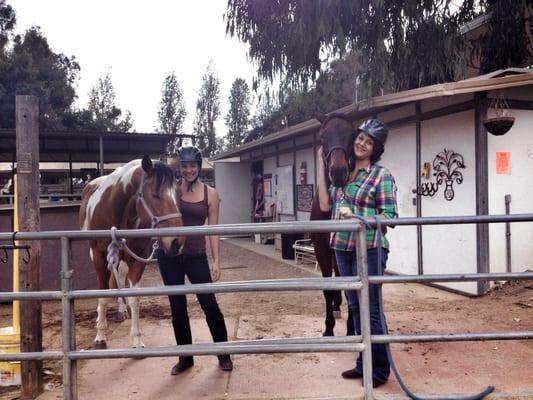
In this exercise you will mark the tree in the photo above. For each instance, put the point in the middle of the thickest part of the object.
(404, 43)
(7, 23)
(104, 112)
(207, 112)
(336, 87)
(238, 116)
(507, 40)
(172, 111)
(30, 67)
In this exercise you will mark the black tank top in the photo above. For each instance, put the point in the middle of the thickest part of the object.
(195, 214)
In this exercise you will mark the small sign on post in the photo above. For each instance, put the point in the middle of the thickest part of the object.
(304, 197)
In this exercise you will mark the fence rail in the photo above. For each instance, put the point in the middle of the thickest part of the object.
(361, 343)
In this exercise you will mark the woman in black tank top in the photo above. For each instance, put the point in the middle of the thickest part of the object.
(199, 203)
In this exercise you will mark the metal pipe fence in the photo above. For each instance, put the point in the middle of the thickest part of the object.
(362, 343)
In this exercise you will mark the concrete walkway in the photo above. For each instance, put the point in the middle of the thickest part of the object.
(278, 376)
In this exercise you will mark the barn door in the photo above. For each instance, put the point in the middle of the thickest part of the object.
(449, 249)
(400, 159)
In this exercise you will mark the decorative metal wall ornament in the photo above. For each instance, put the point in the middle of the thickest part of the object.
(501, 120)
(447, 165)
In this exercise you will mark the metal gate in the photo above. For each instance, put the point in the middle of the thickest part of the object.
(362, 343)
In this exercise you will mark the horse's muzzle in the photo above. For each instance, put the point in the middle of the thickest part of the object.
(338, 175)
(172, 246)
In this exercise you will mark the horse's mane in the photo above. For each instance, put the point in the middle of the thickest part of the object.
(163, 175)
(339, 115)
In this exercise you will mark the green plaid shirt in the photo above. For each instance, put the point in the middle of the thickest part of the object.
(372, 192)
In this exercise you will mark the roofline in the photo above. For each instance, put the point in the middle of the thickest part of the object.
(474, 24)
(378, 103)
(105, 134)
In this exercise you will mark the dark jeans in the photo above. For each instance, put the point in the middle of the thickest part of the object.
(347, 262)
(196, 267)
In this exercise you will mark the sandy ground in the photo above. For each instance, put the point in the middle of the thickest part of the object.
(410, 308)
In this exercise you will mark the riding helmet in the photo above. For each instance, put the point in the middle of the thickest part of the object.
(376, 129)
(190, 154)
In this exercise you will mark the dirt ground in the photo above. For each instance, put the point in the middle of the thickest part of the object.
(509, 307)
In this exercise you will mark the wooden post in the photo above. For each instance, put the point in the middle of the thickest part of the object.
(27, 132)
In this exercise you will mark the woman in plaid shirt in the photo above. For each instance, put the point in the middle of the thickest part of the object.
(370, 192)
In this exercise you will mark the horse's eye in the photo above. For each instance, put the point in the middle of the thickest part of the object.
(156, 196)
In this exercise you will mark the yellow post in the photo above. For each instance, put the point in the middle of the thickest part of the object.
(10, 335)
(16, 288)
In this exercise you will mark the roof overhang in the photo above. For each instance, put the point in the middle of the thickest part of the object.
(501, 79)
(118, 147)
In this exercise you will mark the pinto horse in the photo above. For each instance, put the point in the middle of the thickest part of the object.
(336, 136)
(140, 194)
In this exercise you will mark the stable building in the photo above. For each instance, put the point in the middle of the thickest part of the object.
(444, 160)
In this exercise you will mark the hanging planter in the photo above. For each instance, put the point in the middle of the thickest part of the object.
(501, 120)
(498, 125)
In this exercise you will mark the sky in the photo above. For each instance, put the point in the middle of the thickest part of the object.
(139, 43)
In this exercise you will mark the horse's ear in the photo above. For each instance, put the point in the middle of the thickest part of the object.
(320, 116)
(147, 164)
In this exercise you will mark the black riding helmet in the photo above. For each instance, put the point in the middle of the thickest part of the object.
(191, 154)
(378, 131)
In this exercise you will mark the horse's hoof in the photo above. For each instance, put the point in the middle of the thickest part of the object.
(328, 332)
(337, 314)
(100, 344)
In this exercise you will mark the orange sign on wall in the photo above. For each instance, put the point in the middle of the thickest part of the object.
(503, 163)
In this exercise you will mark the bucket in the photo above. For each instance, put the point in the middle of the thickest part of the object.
(9, 370)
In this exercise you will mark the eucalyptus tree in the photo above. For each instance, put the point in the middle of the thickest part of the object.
(207, 112)
(172, 111)
(403, 43)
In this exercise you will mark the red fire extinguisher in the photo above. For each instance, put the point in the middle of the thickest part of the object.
(303, 173)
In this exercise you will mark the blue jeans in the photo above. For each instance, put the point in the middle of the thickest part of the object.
(196, 267)
(347, 263)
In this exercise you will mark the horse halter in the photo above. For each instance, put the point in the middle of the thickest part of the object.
(345, 118)
(155, 220)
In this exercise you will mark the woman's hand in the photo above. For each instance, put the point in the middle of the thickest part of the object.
(320, 161)
(323, 195)
(215, 272)
(345, 212)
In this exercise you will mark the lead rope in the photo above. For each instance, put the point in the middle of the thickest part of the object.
(404, 387)
(113, 256)
(116, 245)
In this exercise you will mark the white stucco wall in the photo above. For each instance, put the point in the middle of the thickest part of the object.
(450, 248)
(400, 159)
(518, 142)
(233, 186)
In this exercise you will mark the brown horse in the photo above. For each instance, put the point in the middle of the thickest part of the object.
(141, 194)
(336, 136)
